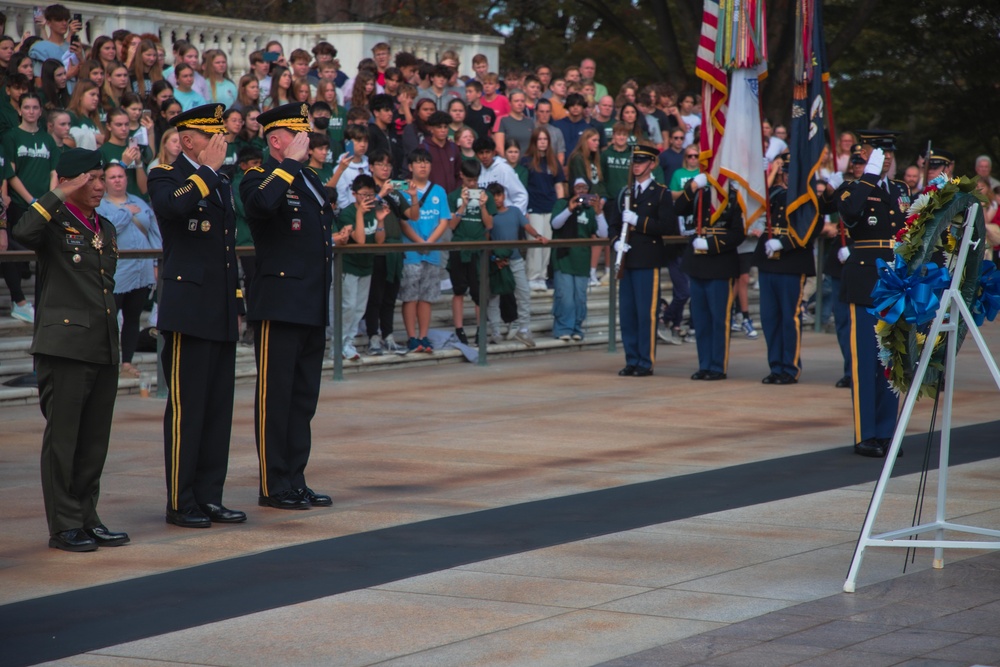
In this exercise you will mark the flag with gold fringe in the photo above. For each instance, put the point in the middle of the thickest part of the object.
(714, 97)
(807, 134)
(741, 48)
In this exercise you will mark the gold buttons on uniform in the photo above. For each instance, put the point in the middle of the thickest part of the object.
(65, 321)
(178, 277)
(109, 311)
(105, 291)
(281, 273)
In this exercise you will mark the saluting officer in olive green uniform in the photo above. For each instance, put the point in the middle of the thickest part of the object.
(75, 347)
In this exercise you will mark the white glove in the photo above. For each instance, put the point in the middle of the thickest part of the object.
(621, 246)
(772, 246)
(875, 162)
(700, 244)
(843, 254)
(836, 180)
(629, 217)
(701, 180)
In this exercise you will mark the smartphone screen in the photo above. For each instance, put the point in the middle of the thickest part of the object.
(78, 18)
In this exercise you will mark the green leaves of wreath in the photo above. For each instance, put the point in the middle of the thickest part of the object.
(933, 233)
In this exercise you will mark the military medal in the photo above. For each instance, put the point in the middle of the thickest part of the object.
(205, 225)
(97, 242)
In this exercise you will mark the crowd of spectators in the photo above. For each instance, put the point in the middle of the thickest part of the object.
(410, 151)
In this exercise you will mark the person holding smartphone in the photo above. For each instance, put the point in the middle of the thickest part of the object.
(119, 147)
(57, 46)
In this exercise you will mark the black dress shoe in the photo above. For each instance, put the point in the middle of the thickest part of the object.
(641, 372)
(286, 500)
(75, 539)
(628, 371)
(771, 379)
(105, 538)
(870, 448)
(700, 375)
(786, 378)
(316, 499)
(221, 514)
(886, 442)
(714, 375)
(190, 517)
(844, 382)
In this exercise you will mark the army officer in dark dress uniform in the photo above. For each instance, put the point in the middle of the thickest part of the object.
(198, 317)
(649, 216)
(291, 220)
(873, 208)
(75, 347)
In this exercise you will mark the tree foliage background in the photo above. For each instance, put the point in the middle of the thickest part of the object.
(926, 67)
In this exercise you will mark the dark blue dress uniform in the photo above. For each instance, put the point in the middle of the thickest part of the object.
(291, 220)
(713, 274)
(75, 345)
(198, 319)
(640, 283)
(833, 269)
(782, 280)
(873, 209)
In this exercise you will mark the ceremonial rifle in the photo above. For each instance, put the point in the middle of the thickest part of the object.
(626, 205)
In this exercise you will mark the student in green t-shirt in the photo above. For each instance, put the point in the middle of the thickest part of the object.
(579, 217)
(30, 172)
(472, 218)
(366, 218)
(118, 148)
(248, 157)
(233, 121)
(319, 148)
(329, 119)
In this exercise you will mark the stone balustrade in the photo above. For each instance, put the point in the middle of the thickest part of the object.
(238, 38)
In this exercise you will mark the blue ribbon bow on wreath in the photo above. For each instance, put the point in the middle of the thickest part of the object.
(914, 297)
(987, 302)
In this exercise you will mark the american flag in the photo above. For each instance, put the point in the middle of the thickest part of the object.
(714, 107)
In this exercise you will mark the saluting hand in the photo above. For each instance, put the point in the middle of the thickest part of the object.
(298, 149)
(214, 154)
(71, 185)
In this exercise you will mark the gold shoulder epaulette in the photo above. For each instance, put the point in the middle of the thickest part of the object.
(253, 169)
(163, 166)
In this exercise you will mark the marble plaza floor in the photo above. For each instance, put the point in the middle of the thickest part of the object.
(540, 511)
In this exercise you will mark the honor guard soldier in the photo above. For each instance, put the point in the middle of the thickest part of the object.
(75, 347)
(837, 253)
(940, 163)
(291, 219)
(783, 266)
(194, 207)
(713, 265)
(641, 226)
(873, 209)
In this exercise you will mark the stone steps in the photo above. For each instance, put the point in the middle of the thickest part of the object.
(15, 341)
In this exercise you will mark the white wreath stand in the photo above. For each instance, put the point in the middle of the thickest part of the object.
(946, 321)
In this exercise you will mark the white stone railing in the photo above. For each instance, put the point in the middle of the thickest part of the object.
(239, 38)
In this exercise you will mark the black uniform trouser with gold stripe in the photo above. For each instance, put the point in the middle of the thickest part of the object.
(289, 366)
(199, 418)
